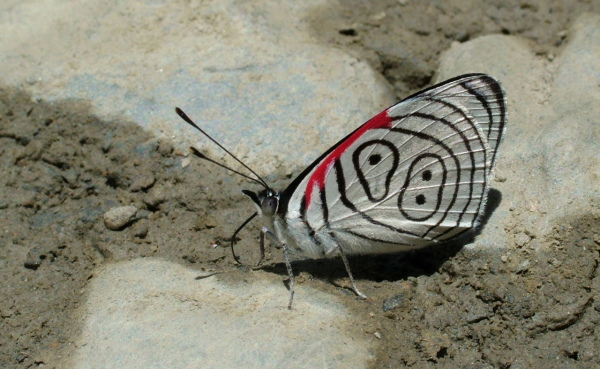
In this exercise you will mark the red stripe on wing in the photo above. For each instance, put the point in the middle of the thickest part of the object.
(381, 120)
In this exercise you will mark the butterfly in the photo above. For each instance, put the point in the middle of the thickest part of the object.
(414, 175)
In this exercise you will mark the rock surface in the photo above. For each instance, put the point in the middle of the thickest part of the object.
(529, 176)
(235, 67)
(524, 294)
(150, 313)
(550, 165)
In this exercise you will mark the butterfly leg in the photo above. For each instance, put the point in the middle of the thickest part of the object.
(262, 246)
(347, 265)
(286, 256)
(288, 264)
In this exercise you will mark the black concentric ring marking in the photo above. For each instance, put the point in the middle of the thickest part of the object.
(484, 95)
(341, 182)
(465, 140)
(361, 176)
(451, 155)
(468, 119)
(407, 183)
(484, 100)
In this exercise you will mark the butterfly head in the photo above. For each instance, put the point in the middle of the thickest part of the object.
(266, 201)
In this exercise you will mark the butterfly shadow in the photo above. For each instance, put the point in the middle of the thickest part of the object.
(391, 267)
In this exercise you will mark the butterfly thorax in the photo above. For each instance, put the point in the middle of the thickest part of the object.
(267, 203)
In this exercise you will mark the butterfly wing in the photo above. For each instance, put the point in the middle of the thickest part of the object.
(413, 175)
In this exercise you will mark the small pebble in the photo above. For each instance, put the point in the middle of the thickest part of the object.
(117, 218)
(155, 197)
(34, 259)
(165, 148)
(205, 221)
(141, 229)
(71, 176)
(28, 200)
(394, 302)
(143, 214)
(521, 239)
(143, 182)
(3, 204)
(523, 267)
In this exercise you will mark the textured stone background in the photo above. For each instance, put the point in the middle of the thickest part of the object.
(279, 83)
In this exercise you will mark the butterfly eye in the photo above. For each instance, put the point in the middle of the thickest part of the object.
(269, 205)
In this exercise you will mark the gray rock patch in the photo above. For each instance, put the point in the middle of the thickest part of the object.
(150, 313)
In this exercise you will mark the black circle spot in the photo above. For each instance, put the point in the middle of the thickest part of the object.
(420, 199)
(427, 175)
(374, 159)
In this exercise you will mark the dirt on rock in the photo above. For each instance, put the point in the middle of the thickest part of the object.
(63, 170)
(404, 39)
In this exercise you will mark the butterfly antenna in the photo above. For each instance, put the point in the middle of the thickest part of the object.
(200, 155)
(196, 152)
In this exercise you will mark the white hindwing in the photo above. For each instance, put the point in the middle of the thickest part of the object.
(415, 174)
